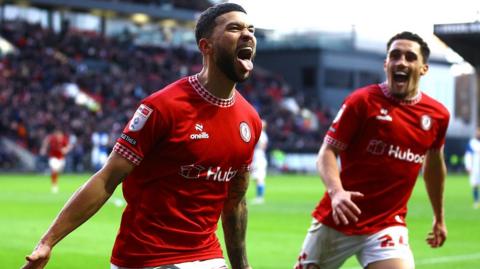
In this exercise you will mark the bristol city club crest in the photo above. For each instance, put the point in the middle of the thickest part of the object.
(426, 122)
(245, 132)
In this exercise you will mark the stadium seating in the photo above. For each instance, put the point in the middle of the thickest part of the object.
(42, 82)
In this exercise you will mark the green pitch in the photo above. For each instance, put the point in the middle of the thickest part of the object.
(275, 232)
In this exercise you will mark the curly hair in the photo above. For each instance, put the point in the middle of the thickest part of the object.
(206, 21)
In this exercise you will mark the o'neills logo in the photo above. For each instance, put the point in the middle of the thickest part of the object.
(203, 135)
(405, 155)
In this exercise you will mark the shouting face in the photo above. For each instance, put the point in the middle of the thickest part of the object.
(404, 66)
(234, 46)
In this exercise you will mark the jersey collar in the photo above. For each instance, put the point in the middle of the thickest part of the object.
(207, 96)
(411, 101)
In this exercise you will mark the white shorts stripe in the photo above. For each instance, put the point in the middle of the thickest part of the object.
(218, 263)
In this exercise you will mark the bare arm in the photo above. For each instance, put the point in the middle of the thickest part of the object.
(234, 222)
(67, 148)
(83, 204)
(434, 176)
(43, 148)
(344, 209)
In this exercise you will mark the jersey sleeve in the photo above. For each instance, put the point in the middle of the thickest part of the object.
(141, 133)
(440, 138)
(345, 124)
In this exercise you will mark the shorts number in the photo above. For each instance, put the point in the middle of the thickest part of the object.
(387, 241)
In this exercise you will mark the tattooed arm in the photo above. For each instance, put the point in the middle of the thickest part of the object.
(234, 221)
(83, 204)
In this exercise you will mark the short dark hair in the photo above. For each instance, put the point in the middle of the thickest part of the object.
(206, 21)
(413, 37)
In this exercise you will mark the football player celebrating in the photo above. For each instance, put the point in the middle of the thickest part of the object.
(383, 135)
(183, 159)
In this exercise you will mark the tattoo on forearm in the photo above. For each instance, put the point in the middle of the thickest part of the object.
(234, 220)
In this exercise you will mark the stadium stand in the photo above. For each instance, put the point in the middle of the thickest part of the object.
(198, 5)
(85, 82)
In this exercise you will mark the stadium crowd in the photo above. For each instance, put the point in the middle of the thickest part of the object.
(183, 4)
(87, 83)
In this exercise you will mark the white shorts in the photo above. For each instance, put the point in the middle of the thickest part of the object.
(329, 249)
(218, 263)
(474, 179)
(56, 164)
(259, 170)
(259, 174)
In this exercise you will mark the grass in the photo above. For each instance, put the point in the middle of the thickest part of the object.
(275, 232)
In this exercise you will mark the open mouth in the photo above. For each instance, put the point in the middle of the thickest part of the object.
(244, 56)
(245, 53)
(400, 76)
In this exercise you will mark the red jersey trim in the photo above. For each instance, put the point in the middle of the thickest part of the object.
(212, 99)
(412, 101)
(127, 154)
(333, 142)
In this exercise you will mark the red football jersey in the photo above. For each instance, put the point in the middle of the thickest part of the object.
(55, 145)
(187, 145)
(383, 142)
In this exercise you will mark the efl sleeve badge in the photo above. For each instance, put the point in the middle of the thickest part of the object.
(139, 118)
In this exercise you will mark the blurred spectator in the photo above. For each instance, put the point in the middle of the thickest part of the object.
(100, 149)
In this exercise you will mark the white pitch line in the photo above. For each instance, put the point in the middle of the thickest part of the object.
(446, 259)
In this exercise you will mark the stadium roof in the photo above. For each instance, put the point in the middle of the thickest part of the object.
(154, 11)
(463, 38)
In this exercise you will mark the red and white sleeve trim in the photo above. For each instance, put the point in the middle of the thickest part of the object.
(127, 154)
(335, 143)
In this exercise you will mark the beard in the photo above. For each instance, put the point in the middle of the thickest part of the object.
(226, 63)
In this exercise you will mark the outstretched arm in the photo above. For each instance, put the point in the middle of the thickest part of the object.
(434, 176)
(234, 222)
(344, 210)
(83, 204)
(67, 148)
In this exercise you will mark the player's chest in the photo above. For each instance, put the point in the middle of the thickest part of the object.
(57, 142)
(218, 136)
(402, 124)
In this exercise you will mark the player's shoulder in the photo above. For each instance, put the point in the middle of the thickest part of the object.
(435, 105)
(168, 97)
(364, 94)
(169, 92)
(241, 101)
(248, 111)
